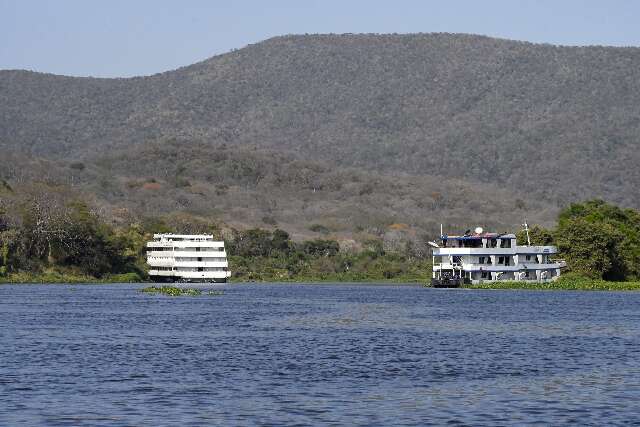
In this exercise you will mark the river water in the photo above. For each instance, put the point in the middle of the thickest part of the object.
(281, 354)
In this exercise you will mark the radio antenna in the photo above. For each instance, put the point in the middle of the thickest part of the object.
(526, 229)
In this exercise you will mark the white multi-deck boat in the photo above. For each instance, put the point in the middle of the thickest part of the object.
(476, 257)
(187, 258)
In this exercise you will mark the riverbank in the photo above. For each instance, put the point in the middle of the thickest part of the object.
(126, 278)
(415, 273)
(568, 283)
(565, 283)
(53, 276)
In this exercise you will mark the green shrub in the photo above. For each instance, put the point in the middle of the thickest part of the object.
(124, 278)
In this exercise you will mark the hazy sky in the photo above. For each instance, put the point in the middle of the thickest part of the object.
(134, 37)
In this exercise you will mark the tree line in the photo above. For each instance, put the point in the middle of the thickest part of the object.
(52, 231)
(48, 229)
(597, 239)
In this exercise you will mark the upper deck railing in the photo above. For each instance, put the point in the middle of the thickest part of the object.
(186, 244)
(182, 237)
(517, 250)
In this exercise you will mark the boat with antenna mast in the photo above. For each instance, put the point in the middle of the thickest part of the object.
(478, 256)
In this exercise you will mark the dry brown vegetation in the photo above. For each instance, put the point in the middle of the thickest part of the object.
(340, 136)
(254, 187)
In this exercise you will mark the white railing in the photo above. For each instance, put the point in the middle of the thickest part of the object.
(203, 274)
(536, 250)
(160, 263)
(195, 264)
(185, 244)
(447, 266)
(518, 250)
(473, 251)
(161, 273)
(499, 267)
(188, 254)
(191, 274)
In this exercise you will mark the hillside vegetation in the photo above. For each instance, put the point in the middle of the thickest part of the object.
(344, 137)
(246, 187)
(561, 123)
(51, 236)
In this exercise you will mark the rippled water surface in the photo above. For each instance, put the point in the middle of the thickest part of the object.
(316, 355)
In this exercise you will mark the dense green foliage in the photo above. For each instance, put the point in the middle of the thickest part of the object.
(601, 240)
(537, 235)
(598, 240)
(52, 236)
(50, 229)
(567, 282)
(261, 255)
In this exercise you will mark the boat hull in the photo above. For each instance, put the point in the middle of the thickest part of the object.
(446, 283)
(173, 279)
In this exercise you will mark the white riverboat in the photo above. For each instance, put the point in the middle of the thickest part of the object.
(187, 258)
(477, 257)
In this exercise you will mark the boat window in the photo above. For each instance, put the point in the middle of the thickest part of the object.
(472, 243)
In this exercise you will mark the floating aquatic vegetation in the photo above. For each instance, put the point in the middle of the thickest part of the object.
(171, 291)
(562, 284)
(174, 291)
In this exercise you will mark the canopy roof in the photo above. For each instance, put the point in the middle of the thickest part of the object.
(475, 236)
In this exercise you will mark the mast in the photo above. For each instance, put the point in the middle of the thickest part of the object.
(526, 229)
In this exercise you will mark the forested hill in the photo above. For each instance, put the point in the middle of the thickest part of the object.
(561, 123)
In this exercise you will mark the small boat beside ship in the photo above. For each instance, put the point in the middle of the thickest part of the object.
(187, 258)
(477, 257)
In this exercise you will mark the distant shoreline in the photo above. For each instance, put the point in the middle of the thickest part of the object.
(187, 284)
(585, 285)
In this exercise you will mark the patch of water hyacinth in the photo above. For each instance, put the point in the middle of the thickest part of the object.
(173, 291)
